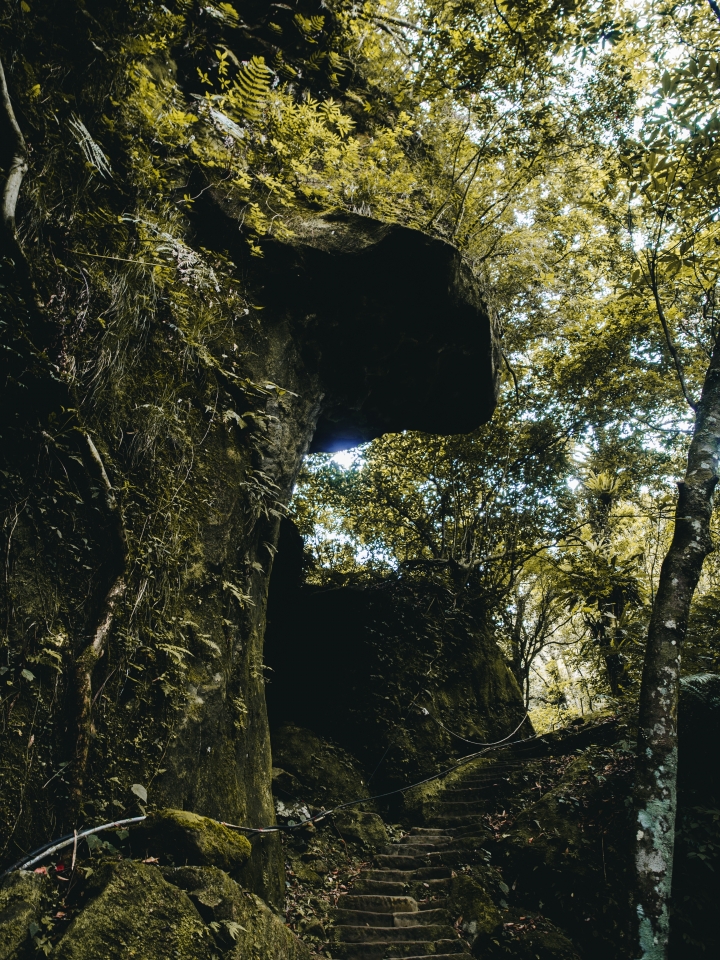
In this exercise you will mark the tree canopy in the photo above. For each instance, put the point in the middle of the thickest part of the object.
(570, 150)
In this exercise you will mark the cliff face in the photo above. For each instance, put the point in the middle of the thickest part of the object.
(167, 488)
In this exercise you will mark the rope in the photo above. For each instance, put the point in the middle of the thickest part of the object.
(68, 840)
(476, 743)
(72, 838)
(276, 828)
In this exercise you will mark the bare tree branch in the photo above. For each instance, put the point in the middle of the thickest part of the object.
(18, 163)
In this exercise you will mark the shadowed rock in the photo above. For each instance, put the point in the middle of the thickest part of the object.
(394, 323)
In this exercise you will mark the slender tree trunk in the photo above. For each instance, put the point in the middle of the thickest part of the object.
(517, 664)
(656, 781)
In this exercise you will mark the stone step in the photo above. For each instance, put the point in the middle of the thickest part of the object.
(412, 950)
(433, 916)
(366, 918)
(466, 793)
(404, 876)
(426, 838)
(346, 933)
(399, 904)
(453, 807)
(437, 948)
(460, 820)
(459, 954)
(415, 849)
(387, 888)
(429, 886)
(432, 904)
(395, 861)
(419, 831)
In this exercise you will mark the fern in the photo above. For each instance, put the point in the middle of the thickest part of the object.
(91, 151)
(251, 88)
(224, 11)
(315, 61)
(309, 25)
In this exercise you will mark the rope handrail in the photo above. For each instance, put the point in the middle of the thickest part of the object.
(41, 853)
(476, 743)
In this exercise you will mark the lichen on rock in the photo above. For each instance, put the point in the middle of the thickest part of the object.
(364, 828)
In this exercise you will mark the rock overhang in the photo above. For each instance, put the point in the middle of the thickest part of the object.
(390, 322)
(394, 323)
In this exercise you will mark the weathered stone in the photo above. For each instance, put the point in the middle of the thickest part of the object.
(365, 828)
(185, 837)
(22, 897)
(241, 922)
(323, 773)
(378, 309)
(134, 912)
(469, 900)
(341, 660)
(366, 327)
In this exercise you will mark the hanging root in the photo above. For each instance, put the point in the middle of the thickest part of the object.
(85, 663)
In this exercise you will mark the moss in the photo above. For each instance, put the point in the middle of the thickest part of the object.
(525, 936)
(241, 922)
(135, 913)
(469, 900)
(367, 829)
(185, 837)
(323, 773)
(22, 897)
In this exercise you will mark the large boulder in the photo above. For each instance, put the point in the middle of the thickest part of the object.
(134, 912)
(186, 838)
(23, 896)
(393, 321)
(243, 925)
(321, 773)
(364, 327)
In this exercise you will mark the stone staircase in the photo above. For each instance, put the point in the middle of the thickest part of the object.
(397, 908)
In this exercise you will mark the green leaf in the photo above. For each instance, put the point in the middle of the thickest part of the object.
(139, 791)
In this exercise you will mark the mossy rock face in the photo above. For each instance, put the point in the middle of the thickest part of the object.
(241, 922)
(22, 898)
(135, 913)
(323, 773)
(367, 644)
(187, 838)
(366, 829)
(468, 899)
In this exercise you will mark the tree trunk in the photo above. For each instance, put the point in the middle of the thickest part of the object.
(655, 787)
